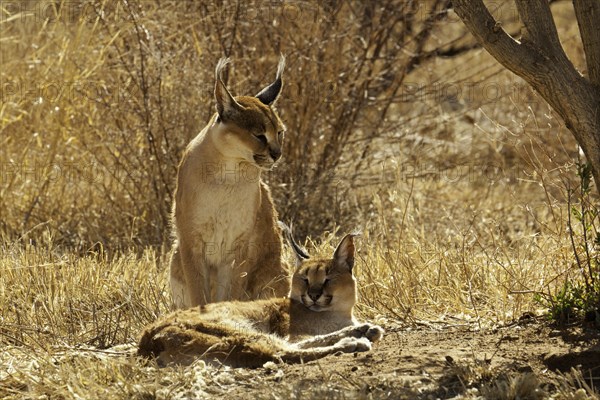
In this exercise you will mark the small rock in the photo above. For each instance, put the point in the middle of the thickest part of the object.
(279, 376)
(270, 366)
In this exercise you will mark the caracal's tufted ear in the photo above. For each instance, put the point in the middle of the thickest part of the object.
(269, 94)
(344, 254)
(227, 107)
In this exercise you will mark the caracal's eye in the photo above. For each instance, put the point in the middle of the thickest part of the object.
(261, 138)
(326, 281)
(305, 280)
(280, 135)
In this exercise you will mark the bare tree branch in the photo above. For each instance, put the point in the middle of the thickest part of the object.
(588, 15)
(541, 61)
(512, 54)
(539, 25)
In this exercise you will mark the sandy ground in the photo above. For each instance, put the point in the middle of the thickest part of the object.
(526, 360)
(442, 362)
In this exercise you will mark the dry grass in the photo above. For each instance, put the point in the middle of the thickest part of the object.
(456, 175)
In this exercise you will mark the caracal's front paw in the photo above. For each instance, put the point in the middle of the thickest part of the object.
(369, 331)
(375, 333)
(353, 345)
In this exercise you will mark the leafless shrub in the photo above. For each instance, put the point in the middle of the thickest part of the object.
(133, 85)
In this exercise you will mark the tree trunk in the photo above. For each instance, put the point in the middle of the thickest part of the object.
(540, 60)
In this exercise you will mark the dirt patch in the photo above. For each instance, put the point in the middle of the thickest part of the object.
(446, 362)
(529, 360)
(588, 360)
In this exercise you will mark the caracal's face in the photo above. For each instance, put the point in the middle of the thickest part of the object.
(324, 285)
(255, 134)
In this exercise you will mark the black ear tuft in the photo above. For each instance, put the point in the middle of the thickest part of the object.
(299, 251)
(270, 93)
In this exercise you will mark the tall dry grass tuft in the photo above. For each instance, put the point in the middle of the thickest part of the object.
(64, 299)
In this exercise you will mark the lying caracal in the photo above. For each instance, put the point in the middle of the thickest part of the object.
(228, 244)
(248, 334)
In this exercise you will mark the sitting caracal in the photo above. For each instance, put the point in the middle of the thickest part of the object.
(228, 244)
(248, 334)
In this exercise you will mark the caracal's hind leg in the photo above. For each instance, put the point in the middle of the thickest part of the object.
(372, 332)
